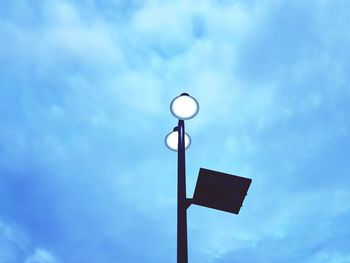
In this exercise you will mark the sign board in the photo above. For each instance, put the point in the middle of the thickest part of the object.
(220, 191)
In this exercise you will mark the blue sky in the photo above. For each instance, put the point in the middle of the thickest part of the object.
(84, 108)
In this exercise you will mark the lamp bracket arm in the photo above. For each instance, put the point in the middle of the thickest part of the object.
(188, 202)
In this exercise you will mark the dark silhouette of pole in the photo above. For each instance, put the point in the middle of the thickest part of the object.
(182, 256)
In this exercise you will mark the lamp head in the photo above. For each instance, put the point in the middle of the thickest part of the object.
(172, 140)
(184, 107)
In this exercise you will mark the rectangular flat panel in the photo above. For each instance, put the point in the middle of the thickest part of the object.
(220, 191)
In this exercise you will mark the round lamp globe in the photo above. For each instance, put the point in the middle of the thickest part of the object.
(172, 140)
(184, 107)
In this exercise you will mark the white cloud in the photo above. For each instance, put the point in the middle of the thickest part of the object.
(98, 128)
(11, 244)
(40, 256)
(16, 246)
(328, 257)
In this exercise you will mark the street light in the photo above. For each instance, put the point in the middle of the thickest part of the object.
(172, 140)
(214, 189)
(184, 107)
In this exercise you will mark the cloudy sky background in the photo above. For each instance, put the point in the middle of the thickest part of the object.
(85, 88)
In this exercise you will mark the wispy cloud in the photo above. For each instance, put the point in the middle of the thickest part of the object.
(84, 108)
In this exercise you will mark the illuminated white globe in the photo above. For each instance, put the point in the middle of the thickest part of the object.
(172, 139)
(184, 107)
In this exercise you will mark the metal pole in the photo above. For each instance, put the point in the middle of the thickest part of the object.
(182, 256)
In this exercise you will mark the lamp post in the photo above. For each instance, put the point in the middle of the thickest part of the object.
(214, 189)
(183, 107)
